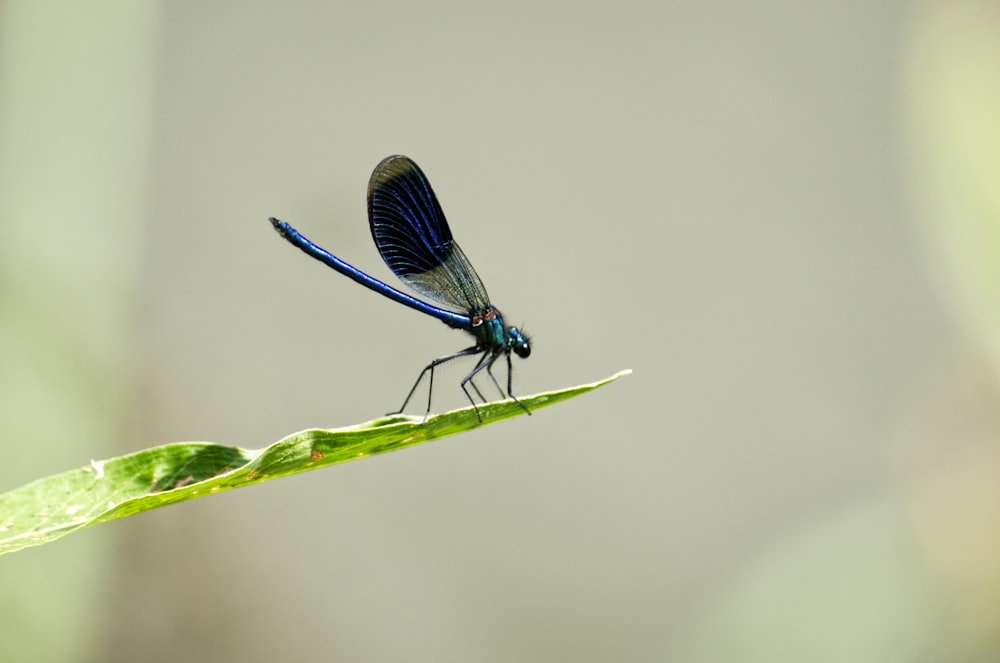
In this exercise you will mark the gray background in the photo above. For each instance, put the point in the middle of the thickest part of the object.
(722, 196)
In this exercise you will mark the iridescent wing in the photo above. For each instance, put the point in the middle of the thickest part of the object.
(413, 237)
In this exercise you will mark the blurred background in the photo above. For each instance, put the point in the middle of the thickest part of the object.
(785, 217)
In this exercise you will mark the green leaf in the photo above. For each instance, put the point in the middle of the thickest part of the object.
(106, 490)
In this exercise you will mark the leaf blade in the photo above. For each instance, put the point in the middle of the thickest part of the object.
(54, 506)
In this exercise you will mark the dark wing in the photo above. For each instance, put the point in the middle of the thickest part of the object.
(413, 237)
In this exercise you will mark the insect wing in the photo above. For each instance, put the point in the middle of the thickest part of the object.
(413, 237)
